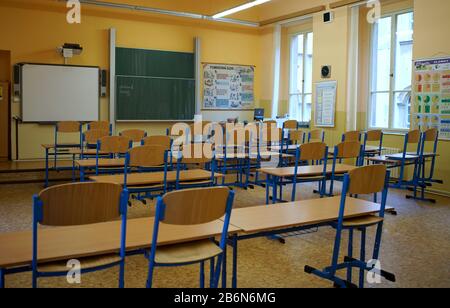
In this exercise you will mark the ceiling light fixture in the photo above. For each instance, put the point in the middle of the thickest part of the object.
(239, 8)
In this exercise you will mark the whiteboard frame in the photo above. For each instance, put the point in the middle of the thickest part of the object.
(334, 83)
(52, 64)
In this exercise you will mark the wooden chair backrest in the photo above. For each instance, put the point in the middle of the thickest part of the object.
(101, 125)
(374, 135)
(114, 144)
(352, 136)
(413, 136)
(161, 140)
(80, 203)
(349, 149)
(195, 206)
(197, 153)
(93, 135)
(68, 127)
(290, 124)
(430, 134)
(296, 136)
(313, 151)
(238, 136)
(316, 134)
(136, 135)
(147, 156)
(367, 180)
(270, 135)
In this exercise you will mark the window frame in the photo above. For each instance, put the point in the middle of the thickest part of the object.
(392, 91)
(305, 34)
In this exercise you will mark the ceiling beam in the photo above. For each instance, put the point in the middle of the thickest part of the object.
(293, 15)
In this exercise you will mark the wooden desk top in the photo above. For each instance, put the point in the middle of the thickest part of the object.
(86, 152)
(60, 145)
(103, 162)
(64, 243)
(306, 170)
(263, 154)
(300, 213)
(153, 178)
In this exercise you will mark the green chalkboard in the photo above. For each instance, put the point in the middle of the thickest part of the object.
(154, 85)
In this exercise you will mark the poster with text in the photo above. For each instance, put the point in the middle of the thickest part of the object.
(228, 86)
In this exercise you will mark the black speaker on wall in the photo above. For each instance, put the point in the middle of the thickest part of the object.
(103, 82)
(17, 79)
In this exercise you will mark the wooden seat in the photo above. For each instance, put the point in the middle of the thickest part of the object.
(365, 221)
(86, 263)
(187, 253)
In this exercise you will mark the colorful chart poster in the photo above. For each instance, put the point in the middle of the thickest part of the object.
(431, 93)
(228, 86)
(444, 130)
(325, 103)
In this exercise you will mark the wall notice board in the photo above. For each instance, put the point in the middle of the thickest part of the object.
(154, 85)
(325, 103)
(228, 86)
(431, 95)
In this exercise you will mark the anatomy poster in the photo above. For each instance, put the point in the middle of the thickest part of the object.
(228, 86)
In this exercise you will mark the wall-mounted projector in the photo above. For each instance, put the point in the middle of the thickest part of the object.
(69, 50)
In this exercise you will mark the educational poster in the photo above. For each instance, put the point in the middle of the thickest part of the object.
(431, 94)
(325, 103)
(228, 86)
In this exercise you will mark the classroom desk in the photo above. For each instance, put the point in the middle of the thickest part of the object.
(64, 149)
(263, 221)
(84, 164)
(274, 174)
(154, 178)
(64, 243)
(253, 155)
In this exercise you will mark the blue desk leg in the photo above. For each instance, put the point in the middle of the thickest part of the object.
(274, 189)
(2, 278)
(224, 268)
(81, 174)
(235, 252)
(46, 167)
(267, 188)
(73, 168)
(211, 273)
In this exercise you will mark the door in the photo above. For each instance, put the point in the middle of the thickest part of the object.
(4, 120)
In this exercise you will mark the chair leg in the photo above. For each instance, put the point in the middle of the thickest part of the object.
(294, 191)
(2, 278)
(202, 274)
(211, 272)
(362, 257)
(151, 268)
(122, 274)
(350, 253)
(34, 280)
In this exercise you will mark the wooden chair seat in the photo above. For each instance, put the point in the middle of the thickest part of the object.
(364, 221)
(86, 263)
(186, 253)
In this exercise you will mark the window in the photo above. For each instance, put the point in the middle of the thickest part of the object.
(390, 89)
(300, 88)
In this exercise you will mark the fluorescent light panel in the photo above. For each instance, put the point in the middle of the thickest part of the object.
(240, 8)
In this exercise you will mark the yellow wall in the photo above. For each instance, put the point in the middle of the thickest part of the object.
(38, 32)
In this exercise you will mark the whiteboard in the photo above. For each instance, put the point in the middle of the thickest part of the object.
(228, 86)
(325, 104)
(52, 93)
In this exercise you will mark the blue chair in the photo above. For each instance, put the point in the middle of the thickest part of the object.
(111, 147)
(311, 152)
(79, 204)
(144, 159)
(66, 127)
(364, 180)
(90, 140)
(345, 150)
(316, 135)
(100, 125)
(373, 136)
(192, 207)
(200, 155)
(351, 136)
